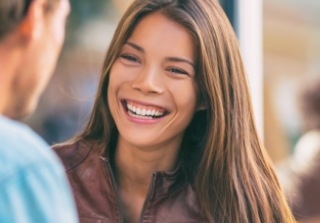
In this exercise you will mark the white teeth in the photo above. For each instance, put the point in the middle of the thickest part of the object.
(143, 112)
(138, 116)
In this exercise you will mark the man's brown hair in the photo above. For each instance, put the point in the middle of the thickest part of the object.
(12, 13)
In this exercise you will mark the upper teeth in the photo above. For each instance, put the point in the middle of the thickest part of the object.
(144, 111)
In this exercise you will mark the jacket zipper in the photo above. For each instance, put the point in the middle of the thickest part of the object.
(150, 192)
(116, 192)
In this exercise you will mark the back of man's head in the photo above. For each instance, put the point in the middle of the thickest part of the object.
(31, 37)
(11, 14)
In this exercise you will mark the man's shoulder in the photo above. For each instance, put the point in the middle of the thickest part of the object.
(21, 148)
(21, 143)
(73, 153)
(33, 185)
(15, 133)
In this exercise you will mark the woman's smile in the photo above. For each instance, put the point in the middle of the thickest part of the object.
(142, 110)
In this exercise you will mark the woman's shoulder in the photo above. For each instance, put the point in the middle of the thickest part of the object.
(73, 153)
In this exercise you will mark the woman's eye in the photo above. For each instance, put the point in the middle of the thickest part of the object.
(177, 71)
(129, 58)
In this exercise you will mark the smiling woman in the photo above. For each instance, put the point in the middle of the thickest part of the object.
(171, 137)
(146, 78)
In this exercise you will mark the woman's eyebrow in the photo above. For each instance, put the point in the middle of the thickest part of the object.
(135, 46)
(179, 59)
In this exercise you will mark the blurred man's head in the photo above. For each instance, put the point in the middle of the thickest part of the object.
(31, 37)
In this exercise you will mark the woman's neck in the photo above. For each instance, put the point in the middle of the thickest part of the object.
(134, 167)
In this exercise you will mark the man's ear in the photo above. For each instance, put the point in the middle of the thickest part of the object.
(32, 24)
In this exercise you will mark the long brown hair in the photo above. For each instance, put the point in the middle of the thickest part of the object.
(233, 176)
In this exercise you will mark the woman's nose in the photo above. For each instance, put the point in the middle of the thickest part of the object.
(148, 81)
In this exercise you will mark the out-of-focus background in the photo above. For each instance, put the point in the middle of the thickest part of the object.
(288, 34)
(291, 50)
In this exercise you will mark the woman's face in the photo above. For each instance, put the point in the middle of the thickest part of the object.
(152, 92)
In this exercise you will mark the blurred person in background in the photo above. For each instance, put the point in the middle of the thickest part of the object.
(172, 136)
(33, 185)
(300, 174)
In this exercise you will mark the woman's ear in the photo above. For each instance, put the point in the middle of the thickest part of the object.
(202, 105)
(201, 108)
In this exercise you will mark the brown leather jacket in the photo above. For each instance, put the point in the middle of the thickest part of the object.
(170, 199)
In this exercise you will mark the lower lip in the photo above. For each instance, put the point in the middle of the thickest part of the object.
(141, 120)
